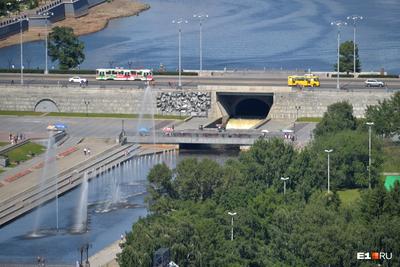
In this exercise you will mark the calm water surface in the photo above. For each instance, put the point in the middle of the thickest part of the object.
(288, 34)
(122, 187)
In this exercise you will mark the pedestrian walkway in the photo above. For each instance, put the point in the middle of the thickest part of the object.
(106, 257)
(28, 174)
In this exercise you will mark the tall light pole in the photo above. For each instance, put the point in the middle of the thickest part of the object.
(21, 49)
(284, 179)
(338, 24)
(354, 18)
(370, 124)
(47, 14)
(232, 214)
(297, 116)
(179, 22)
(201, 18)
(87, 102)
(328, 151)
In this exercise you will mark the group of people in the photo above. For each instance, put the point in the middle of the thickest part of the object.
(14, 139)
(84, 83)
(41, 261)
(86, 151)
(289, 136)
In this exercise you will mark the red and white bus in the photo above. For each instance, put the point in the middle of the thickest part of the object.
(120, 74)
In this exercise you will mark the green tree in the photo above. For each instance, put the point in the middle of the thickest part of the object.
(346, 58)
(65, 47)
(349, 159)
(386, 116)
(160, 188)
(338, 117)
(268, 161)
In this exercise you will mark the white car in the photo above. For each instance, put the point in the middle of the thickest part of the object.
(374, 83)
(77, 79)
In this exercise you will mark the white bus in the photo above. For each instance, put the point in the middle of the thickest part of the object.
(120, 74)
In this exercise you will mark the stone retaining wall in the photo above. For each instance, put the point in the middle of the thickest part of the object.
(198, 102)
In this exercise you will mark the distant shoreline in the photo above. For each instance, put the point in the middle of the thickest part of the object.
(96, 20)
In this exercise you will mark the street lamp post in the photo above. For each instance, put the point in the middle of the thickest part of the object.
(284, 179)
(328, 151)
(21, 49)
(201, 18)
(354, 18)
(370, 124)
(232, 214)
(47, 14)
(87, 107)
(338, 24)
(297, 116)
(179, 22)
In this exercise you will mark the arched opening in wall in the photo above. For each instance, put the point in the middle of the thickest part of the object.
(46, 105)
(251, 108)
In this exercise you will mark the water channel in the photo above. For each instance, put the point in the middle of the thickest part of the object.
(115, 200)
(253, 34)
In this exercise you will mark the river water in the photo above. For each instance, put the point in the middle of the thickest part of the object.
(116, 200)
(246, 34)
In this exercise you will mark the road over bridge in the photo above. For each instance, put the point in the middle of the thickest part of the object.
(204, 137)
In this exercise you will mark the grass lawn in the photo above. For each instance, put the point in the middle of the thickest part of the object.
(110, 115)
(311, 119)
(349, 196)
(3, 144)
(91, 115)
(20, 113)
(24, 153)
(391, 153)
(1, 170)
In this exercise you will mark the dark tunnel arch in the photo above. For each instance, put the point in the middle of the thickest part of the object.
(252, 108)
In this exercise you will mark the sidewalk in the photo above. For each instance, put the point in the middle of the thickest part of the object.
(29, 173)
(106, 257)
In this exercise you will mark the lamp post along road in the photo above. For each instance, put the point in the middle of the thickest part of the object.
(201, 18)
(354, 18)
(232, 214)
(297, 116)
(370, 124)
(21, 49)
(179, 22)
(47, 14)
(338, 24)
(284, 179)
(328, 151)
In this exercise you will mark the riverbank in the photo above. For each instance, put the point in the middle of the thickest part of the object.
(96, 20)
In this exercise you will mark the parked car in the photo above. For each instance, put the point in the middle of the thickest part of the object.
(56, 127)
(374, 83)
(144, 131)
(77, 79)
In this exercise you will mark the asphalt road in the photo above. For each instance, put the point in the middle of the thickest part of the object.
(77, 127)
(192, 81)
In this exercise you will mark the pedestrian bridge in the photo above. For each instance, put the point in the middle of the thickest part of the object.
(202, 137)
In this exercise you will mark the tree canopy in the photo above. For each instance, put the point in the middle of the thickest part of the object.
(65, 47)
(338, 117)
(305, 227)
(346, 57)
(386, 116)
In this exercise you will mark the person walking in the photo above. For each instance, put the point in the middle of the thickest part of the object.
(84, 151)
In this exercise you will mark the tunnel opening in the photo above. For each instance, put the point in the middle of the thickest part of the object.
(244, 110)
(251, 108)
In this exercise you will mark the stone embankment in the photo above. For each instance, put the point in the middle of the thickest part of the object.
(96, 19)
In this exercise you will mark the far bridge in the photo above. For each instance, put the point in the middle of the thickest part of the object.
(203, 137)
